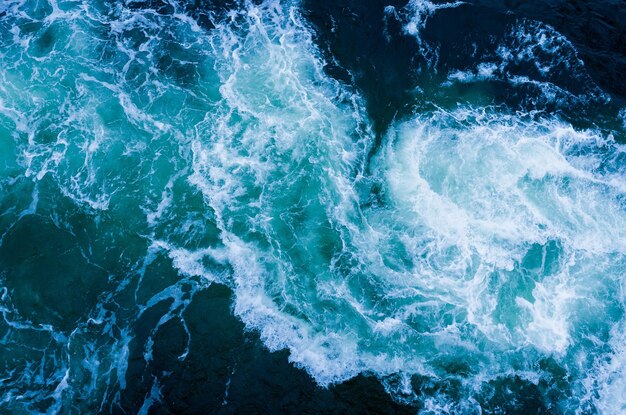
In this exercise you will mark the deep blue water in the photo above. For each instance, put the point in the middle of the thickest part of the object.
(312, 207)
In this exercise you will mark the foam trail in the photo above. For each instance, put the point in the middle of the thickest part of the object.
(414, 17)
(549, 61)
(421, 10)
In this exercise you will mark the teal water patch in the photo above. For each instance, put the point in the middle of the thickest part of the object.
(472, 262)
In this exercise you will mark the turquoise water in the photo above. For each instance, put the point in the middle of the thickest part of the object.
(470, 258)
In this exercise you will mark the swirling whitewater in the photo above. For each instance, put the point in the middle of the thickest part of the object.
(476, 245)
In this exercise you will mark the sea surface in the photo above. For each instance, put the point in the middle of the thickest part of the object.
(312, 206)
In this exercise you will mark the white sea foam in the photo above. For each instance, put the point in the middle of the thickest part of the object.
(610, 378)
(421, 10)
(533, 44)
(414, 17)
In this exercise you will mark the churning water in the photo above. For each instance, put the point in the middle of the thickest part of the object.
(395, 193)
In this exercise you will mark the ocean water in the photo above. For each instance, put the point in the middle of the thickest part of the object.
(312, 207)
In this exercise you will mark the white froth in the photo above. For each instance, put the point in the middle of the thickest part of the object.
(532, 43)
